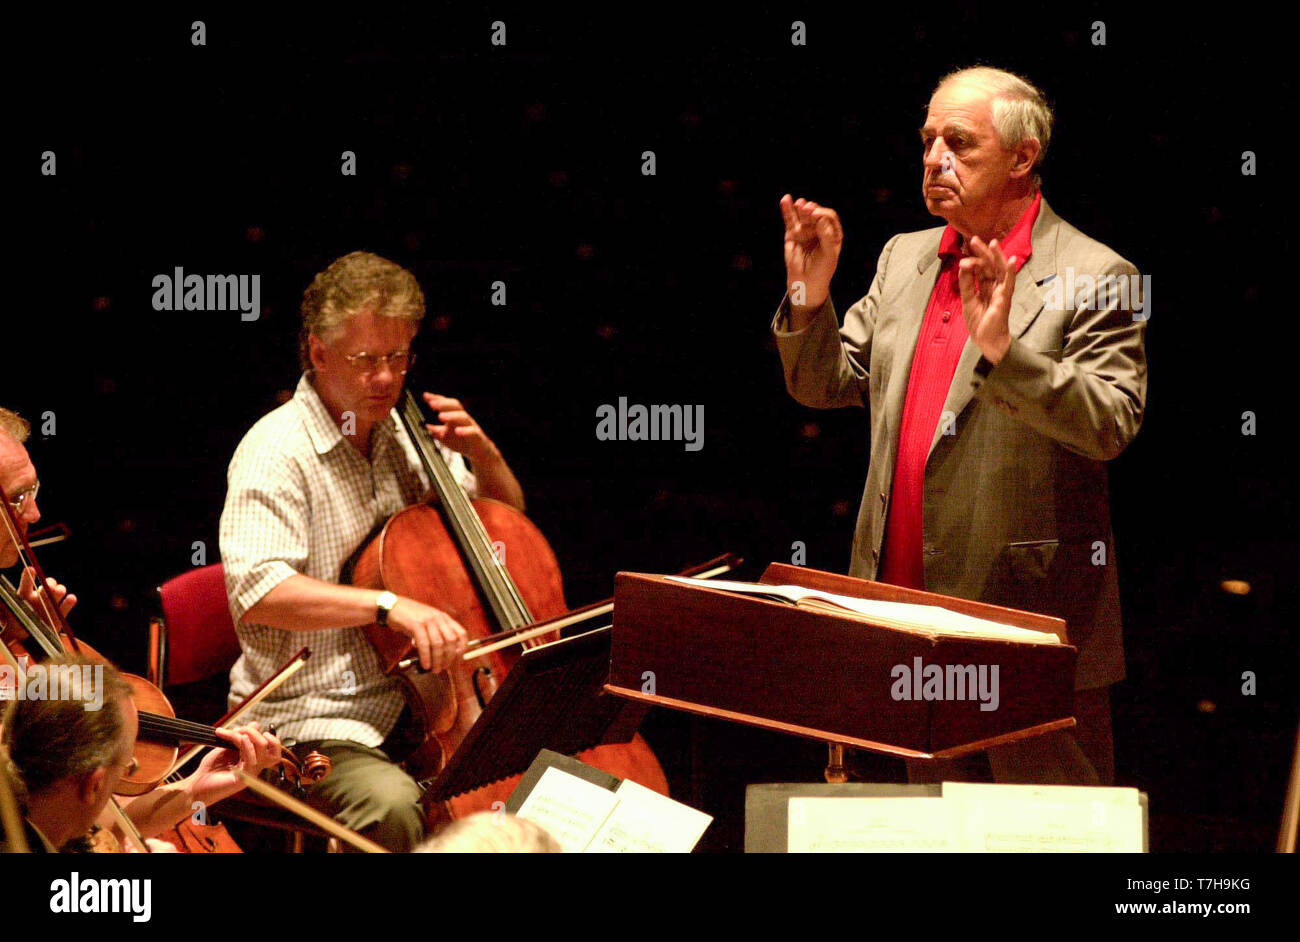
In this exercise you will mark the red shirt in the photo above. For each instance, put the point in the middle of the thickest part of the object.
(938, 348)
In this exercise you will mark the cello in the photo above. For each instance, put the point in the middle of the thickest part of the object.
(486, 565)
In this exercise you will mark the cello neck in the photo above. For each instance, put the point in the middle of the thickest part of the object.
(481, 557)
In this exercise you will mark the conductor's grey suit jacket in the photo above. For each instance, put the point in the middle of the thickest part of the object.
(1016, 509)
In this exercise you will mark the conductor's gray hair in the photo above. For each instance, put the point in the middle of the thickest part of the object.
(1020, 109)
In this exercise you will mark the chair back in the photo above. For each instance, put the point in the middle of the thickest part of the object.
(200, 634)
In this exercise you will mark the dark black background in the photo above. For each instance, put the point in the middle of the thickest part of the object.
(523, 164)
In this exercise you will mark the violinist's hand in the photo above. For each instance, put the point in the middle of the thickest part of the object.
(438, 637)
(54, 592)
(251, 751)
(459, 432)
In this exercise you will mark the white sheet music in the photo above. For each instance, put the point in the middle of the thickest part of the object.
(972, 818)
(872, 825)
(570, 808)
(646, 822)
(1047, 818)
(586, 818)
(932, 619)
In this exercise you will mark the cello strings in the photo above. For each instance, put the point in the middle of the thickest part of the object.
(504, 596)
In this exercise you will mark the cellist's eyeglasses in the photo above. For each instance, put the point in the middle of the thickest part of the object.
(399, 361)
(19, 502)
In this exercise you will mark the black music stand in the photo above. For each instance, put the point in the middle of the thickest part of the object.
(553, 699)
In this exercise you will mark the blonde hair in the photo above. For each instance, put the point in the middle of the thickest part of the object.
(1020, 109)
(14, 425)
(491, 832)
(357, 282)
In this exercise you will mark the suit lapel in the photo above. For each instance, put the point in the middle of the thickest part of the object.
(1026, 302)
(911, 306)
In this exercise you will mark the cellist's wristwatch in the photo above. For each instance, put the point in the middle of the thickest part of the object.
(384, 605)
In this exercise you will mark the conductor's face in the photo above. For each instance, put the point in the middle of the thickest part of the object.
(967, 170)
(361, 367)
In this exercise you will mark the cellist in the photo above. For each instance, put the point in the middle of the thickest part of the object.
(307, 485)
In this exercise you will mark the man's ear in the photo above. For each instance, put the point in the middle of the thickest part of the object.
(92, 785)
(316, 351)
(1022, 162)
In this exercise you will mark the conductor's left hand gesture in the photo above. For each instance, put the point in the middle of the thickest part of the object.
(987, 280)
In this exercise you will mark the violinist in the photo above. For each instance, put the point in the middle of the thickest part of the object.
(18, 478)
(306, 487)
(165, 806)
(70, 753)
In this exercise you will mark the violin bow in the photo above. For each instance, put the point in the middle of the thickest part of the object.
(308, 813)
(53, 616)
(15, 836)
(287, 670)
(484, 646)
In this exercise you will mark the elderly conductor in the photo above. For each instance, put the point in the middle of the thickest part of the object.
(1002, 360)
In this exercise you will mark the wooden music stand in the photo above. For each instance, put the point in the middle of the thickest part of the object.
(825, 676)
(551, 699)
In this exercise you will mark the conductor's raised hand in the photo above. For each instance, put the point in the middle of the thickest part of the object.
(438, 637)
(813, 238)
(987, 280)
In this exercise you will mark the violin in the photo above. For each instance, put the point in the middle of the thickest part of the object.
(155, 752)
(160, 732)
(486, 565)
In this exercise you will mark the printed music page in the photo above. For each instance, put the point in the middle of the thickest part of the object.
(1047, 818)
(931, 620)
(872, 825)
(568, 807)
(647, 822)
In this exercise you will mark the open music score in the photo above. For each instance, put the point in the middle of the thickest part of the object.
(972, 818)
(819, 655)
(589, 811)
(933, 621)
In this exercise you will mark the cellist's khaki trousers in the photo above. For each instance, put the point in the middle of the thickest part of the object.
(369, 793)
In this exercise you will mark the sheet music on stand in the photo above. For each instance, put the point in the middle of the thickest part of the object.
(551, 699)
(589, 811)
(955, 817)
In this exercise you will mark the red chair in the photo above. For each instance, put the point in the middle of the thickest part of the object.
(193, 641)
(195, 637)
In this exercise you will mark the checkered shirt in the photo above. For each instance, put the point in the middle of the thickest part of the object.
(301, 499)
